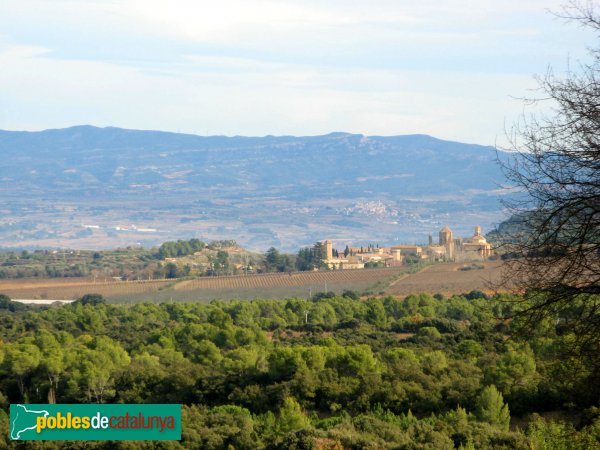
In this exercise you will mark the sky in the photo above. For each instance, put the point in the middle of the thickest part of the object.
(454, 69)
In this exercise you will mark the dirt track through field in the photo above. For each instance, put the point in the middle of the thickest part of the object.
(449, 279)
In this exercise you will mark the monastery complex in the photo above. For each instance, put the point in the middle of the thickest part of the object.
(448, 248)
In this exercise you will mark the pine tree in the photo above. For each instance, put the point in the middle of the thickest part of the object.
(291, 416)
(492, 409)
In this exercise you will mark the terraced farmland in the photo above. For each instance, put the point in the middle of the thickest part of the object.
(270, 285)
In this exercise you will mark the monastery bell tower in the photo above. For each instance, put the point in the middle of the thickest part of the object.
(447, 240)
(329, 249)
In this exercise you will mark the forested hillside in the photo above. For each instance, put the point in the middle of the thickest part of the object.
(332, 373)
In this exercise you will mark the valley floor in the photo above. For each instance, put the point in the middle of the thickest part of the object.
(447, 279)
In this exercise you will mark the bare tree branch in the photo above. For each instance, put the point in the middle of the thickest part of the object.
(555, 164)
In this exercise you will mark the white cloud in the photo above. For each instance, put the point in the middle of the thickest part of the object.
(274, 99)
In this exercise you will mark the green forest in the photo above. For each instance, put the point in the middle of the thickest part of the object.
(130, 263)
(166, 261)
(329, 373)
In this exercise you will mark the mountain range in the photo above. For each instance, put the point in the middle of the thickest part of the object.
(89, 187)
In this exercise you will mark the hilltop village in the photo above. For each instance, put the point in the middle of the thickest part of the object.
(448, 248)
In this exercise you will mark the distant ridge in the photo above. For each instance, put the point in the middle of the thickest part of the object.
(226, 186)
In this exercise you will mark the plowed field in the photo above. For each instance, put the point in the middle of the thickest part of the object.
(270, 285)
(448, 279)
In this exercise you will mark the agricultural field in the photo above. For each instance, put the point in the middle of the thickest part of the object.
(268, 285)
(71, 288)
(449, 279)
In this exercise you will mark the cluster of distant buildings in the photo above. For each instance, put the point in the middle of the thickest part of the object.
(448, 248)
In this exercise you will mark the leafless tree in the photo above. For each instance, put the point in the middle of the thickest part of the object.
(555, 239)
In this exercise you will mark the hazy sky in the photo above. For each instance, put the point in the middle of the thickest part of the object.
(256, 67)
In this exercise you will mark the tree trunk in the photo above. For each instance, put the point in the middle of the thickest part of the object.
(51, 393)
(22, 388)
